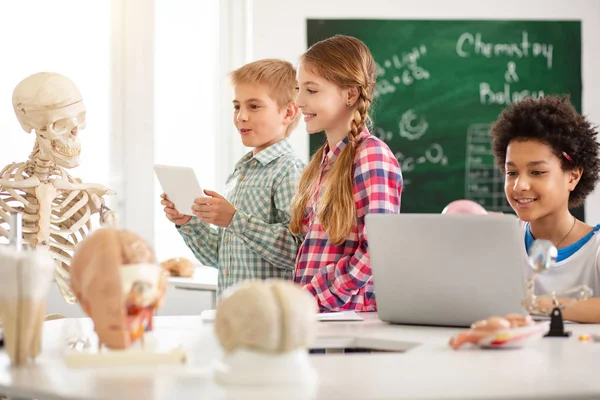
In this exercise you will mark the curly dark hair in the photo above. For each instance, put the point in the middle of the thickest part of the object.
(554, 121)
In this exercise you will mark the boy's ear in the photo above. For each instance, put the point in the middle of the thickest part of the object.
(574, 177)
(291, 111)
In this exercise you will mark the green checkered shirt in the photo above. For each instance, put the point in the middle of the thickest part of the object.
(257, 244)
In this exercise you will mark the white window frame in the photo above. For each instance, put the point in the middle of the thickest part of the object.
(133, 103)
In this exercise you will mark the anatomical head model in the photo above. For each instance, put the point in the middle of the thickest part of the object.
(118, 283)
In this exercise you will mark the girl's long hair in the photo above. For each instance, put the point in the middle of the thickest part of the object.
(346, 62)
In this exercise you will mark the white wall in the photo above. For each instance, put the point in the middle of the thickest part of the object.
(278, 29)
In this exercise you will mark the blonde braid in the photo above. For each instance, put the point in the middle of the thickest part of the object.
(360, 115)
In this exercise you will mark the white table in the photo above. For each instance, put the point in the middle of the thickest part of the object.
(191, 296)
(553, 368)
(204, 279)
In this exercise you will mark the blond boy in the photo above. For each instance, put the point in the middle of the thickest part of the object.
(252, 239)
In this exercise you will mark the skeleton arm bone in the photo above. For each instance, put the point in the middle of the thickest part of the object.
(108, 218)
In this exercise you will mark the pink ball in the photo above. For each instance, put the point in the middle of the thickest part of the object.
(464, 207)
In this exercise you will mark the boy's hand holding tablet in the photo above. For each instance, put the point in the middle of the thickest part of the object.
(183, 197)
(214, 210)
(172, 214)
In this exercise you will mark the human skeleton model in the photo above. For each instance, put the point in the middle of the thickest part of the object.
(56, 207)
(542, 256)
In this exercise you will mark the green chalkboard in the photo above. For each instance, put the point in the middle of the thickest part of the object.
(440, 84)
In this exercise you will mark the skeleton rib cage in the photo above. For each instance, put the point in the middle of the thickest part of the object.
(69, 219)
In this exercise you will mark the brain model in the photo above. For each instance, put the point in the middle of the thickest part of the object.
(272, 316)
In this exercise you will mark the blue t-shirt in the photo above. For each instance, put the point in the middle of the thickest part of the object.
(565, 252)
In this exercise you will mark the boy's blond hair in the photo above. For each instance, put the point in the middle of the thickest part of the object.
(278, 75)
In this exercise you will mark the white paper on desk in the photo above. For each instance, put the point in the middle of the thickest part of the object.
(209, 316)
(339, 316)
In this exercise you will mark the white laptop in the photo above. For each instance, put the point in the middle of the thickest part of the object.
(446, 270)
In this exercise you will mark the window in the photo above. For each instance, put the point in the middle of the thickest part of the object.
(185, 110)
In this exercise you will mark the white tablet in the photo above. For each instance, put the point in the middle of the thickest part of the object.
(180, 185)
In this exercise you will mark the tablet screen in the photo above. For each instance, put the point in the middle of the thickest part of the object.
(180, 185)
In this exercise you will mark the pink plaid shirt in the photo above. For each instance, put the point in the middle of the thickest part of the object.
(339, 276)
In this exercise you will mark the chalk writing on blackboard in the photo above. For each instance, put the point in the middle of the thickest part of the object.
(508, 95)
(400, 69)
(434, 154)
(483, 182)
(410, 129)
(469, 44)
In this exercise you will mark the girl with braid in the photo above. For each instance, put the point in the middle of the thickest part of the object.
(351, 175)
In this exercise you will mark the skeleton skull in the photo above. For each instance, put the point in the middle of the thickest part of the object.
(51, 104)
